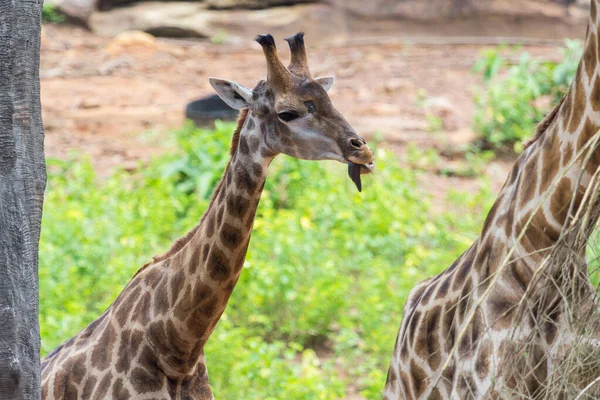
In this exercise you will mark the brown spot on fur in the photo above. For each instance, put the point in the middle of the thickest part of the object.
(587, 134)
(551, 163)
(88, 388)
(237, 206)
(77, 370)
(244, 181)
(501, 309)
(521, 274)
(465, 296)
(567, 108)
(177, 282)
(254, 144)
(102, 389)
(257, 169)
(141, 313)
(412, 327)
(178, 345)
(220, 215)
(433, 343)
(250, 124)
(427, 294)
(435, 394)
(218, 265)
(222, 193)
(567, 153)
(466, 385)
(419, 379)
(124, 304)
(230, 236)
(241, 258)
(443, 289)
(579, 104)
(119, 391)
(143, 382)
(229, 177)
(405, 381)
(185, 304)
(161, 303)
(448, 326)
(391, 376)
(126, 353)
(195, 260)
(559, 205)
(102, 351)
(529, 181)
(590, 58)
(210, 225)
(63, 387)
(205, 252)
(461, 275)
(482, 363)
(550, 324)
(244, 149)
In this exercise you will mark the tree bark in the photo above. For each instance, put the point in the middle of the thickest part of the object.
(22, 184)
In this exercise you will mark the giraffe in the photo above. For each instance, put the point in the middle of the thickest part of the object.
(458, 327)
(149, 343)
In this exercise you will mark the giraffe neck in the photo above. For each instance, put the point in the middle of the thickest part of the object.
(546, 185)
(198, 279)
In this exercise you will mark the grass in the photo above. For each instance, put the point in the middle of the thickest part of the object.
(317, 308)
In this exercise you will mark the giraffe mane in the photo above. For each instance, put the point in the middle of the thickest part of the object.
(543, 126)
(182, 241)
(236, 134)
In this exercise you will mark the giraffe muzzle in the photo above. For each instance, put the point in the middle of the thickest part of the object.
(361, 161)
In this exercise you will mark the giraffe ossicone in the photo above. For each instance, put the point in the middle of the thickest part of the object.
(463, 331)
(150, 342)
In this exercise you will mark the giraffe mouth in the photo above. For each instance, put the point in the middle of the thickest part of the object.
(356, 170)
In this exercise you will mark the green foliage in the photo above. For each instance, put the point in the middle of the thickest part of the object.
(518, 96)
(319, 302)
(50, 14)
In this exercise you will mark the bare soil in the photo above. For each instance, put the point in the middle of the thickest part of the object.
(102, 96)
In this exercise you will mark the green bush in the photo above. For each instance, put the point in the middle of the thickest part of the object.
(517, 96)
(318, 305)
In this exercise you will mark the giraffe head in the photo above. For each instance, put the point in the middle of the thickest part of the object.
(296, 114)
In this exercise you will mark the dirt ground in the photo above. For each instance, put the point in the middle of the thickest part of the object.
(116, 98)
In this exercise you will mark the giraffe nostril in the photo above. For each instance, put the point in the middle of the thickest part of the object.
(355, 143)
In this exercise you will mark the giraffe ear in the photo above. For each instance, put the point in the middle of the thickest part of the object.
(325, 81)
(235, 95)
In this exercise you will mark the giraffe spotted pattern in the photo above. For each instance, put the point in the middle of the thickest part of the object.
(458, 339)
(149, 344)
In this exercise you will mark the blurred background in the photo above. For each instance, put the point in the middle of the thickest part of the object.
(447, 90)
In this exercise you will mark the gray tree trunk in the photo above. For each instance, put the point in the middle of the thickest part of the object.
(22, 184)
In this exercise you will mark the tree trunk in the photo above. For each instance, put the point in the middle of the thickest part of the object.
(22, 184)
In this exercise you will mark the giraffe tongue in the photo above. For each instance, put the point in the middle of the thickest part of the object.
(354, 174)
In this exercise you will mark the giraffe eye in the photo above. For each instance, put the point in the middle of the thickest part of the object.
(288, 116)
(310, 106)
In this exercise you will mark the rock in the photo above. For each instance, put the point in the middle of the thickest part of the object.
(77, 10)
(418, 10)
(131, 42)
(191, 19)
(252, 4)
(344, 20)
(105, 5)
